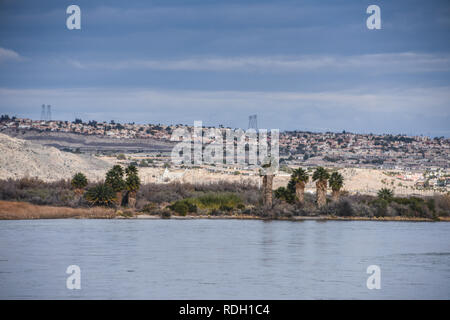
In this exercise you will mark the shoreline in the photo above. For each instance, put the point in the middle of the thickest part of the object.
(295, 218)
(15, 210)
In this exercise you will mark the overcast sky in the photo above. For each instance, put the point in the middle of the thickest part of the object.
(306, 65)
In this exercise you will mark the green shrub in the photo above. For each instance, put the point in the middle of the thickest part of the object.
(101, 195)
(285, 194)
(165, 214)
(180, 207)
(215, 201)
(215, 212)
(191, 207)
(344, 209)
(226, 208)
(149, 208)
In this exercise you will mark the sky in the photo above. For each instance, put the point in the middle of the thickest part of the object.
(299, 65)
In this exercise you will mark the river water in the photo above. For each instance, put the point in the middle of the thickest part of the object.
(224, 259)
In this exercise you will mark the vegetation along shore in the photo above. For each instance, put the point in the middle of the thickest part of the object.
(122, 195)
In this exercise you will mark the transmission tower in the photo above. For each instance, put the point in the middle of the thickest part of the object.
(43, 112)
(49, 112)
(253, 122)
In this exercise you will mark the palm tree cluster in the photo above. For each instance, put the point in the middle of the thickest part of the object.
(110, 192)
(295, 190)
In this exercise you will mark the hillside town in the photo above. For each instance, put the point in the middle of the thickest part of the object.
(420, 160)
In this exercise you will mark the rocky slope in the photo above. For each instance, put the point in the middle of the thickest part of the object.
(21, 158)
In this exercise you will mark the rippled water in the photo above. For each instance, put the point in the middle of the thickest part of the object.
(224, 259)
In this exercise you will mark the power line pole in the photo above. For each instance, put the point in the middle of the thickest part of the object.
(43, 112)
(253, 122)
(49, 113)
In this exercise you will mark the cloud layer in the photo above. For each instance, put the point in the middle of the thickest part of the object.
(8, 55)
(376, 63)
(392, 111)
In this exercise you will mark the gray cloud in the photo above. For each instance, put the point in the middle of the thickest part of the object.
(9, 55)
(423, 110)
(376, 63)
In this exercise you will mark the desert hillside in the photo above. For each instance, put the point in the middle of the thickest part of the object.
(21, 158)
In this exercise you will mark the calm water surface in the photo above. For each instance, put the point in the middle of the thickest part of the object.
(223, 259)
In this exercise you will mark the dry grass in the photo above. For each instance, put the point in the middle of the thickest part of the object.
(10, 210)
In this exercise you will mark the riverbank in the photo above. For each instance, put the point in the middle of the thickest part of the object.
(11, 210)
(296, 218)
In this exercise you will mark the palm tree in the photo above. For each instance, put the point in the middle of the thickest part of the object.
(267, 171)
(336, 183)
(79, 182)
(132, 184)
(300, 177)
(101, 194)
(321, 177)
(114, 178)
(267, 190)
(385, 194)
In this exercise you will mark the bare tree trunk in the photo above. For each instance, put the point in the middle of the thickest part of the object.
(267, 190)
(119, 198)
(300, 192)
(335, 195)
(78, 194)
(321, 190)
(132, 199)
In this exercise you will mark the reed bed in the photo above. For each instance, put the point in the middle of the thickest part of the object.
(12, 210)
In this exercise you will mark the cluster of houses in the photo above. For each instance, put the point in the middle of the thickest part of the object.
(411, 154)
(109, 129)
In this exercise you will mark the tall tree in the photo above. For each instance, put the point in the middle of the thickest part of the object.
(300, 177)
(114, 178)
(385, 194)
(267, 171)
(79, 182)
(336, 183)
(321, 176)
(267, 190)
(132, 183)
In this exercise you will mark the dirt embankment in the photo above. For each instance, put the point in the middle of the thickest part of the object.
(21, 158)
(91, 143)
